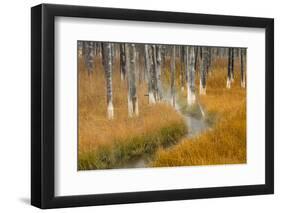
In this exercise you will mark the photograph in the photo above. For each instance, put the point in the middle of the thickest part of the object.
(143, 105)
(134, 105)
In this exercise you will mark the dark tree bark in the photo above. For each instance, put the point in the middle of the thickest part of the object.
(173, 70)
(157, 72)
(183, 65)
(163, 53)
(232, 65)
(153, 74)
(209, 59)
(122, 61)
(197, 52)
(89, 57)
(203, 70)
(83, 48)
(242, 64)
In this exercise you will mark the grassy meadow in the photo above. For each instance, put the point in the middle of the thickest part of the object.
(160, 133)
(104, 143)
(225, 142)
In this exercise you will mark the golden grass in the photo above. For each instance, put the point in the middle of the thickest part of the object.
(98, 136)
(226, 142)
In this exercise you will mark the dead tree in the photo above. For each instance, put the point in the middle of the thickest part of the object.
(242, 63)
(209, 49)
(190, 70)
(228, 79)
(137, 65)
(89, 56)
(149, 70)
(163, 61)
(197, 55)
(230, 68)
(157, 72)
(83, 48)
(133, 108)
(80, 48)
(203, 70)
(183, 67)
(173, 71)
(153, 75)
(232, 65)
(122, 61)
(107, 56)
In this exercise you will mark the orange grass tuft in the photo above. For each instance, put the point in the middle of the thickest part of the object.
(97, 133)
(226, 142)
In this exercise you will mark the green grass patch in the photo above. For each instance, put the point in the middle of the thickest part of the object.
(121, 152)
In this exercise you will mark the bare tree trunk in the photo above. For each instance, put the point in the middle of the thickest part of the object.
(186, 62)
(209, 60)
(80, 48)
(112, 55)
(157, 70)
(190, 70)
(137, 65)
(242, 62)
(183, 67)
(83, 48)
(173, 70)
(149, 71)
(153, 74)
(232, 64)
(197, 52)
(203, 71)
(133, 108)
(99, 48)
(163, 53)
(107, 55)
(89, 56)
(122, 62)
(229, 67)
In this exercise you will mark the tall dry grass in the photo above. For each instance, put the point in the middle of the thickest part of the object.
(107, 143)
(226, 142)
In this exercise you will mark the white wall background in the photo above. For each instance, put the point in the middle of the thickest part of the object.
(15, 105)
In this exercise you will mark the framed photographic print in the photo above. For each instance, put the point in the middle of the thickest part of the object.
(139, 106)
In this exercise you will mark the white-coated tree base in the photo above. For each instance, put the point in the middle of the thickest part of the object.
(151, 98)
(130, 107)
(232, 79)
(80, 53)
(243, 84)
(228, 83)
(190, 97)
(110, 111)
(202, 90)
(182, 88)
(131, 111)
(122, 76)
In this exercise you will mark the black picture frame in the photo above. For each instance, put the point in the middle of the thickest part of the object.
(43, 102)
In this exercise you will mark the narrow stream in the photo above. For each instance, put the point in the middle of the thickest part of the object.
(195, 124)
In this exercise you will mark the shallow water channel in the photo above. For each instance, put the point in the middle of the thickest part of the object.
(196, 125)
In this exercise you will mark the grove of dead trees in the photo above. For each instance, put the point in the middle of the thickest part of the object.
(148, 63)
